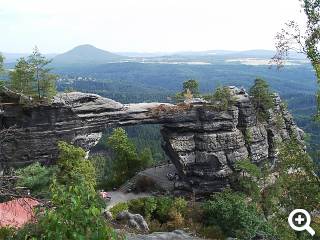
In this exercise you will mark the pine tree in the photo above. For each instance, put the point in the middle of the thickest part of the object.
(261, 97)
(45, 81)
(191, 85)
(126, 162)
(22, 79)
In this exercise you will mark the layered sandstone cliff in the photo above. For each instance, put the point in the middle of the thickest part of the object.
(203, 143)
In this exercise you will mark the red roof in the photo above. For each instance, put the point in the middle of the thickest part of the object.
(17, 212)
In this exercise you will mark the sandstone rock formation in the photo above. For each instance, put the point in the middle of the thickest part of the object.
(203, 143)
(134, 221)
(175, 235)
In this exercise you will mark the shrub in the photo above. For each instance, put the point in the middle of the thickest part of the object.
(6, 233)
(279, 122)
(164, 204)
(137, 206)
(176, 219)
(118, 208)
(37, 178)
(234, 215)
(221, 99)
(212, 232)
(180, 204)
(143, 206)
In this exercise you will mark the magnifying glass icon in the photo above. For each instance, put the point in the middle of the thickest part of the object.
(299, 220)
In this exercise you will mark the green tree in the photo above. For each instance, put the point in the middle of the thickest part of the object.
(77, 207)
(190, 88)
(261, 98)
(292, 38)
(45, 81)
(299, 182)
(146, 158)
(192, 85)
(22, 78)
(126, 162)
(1, 70)
(1, 63)
(73, 167)
(221, 99)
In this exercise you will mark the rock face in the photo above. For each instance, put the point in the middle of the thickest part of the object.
(175, 235)
(202, 143)
(134, 221)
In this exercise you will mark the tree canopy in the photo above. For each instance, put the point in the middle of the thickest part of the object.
(293, 38)
(261, 98)
(32, 76)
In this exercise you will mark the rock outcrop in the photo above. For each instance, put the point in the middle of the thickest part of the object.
(133, 221)
(175, 235)
(203, 143)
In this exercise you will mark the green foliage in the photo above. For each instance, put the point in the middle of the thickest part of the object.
(22, 78)
(235, 215)
(164, 205)
(73, 167)
(146, 158)
(221, 99)
(37, 178)
(297, 186)
(248, 167)
(160, 208)
(192, 85)
(299, 183)
(190, 88)
(312, 11)
(248, 178)
(6, 233)
(77, 207)
(279, 122)
(118, 208)
(45, 81)
(127, 162)
(248, 136)
(180, 204)
(1, 63)
(261, 98)
(2, 84)
(102, 169)
(32, 77)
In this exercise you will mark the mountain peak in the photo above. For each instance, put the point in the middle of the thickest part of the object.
(86, 54)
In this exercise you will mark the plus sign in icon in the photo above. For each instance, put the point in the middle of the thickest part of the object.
(299, 220)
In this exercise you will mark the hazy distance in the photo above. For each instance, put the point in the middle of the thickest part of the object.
(143, 25)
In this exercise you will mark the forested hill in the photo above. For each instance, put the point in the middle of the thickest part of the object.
(84, 55)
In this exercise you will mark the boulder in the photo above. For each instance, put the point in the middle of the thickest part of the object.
(134, 221)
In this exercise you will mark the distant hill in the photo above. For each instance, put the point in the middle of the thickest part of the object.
(86, 54)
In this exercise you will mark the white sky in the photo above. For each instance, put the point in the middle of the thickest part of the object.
(143, 25)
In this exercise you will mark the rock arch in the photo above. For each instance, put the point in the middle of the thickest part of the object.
(202, 143)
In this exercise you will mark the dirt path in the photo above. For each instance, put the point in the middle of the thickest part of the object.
(119, 197)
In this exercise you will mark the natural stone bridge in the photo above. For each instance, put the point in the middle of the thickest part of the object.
(203, 143)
